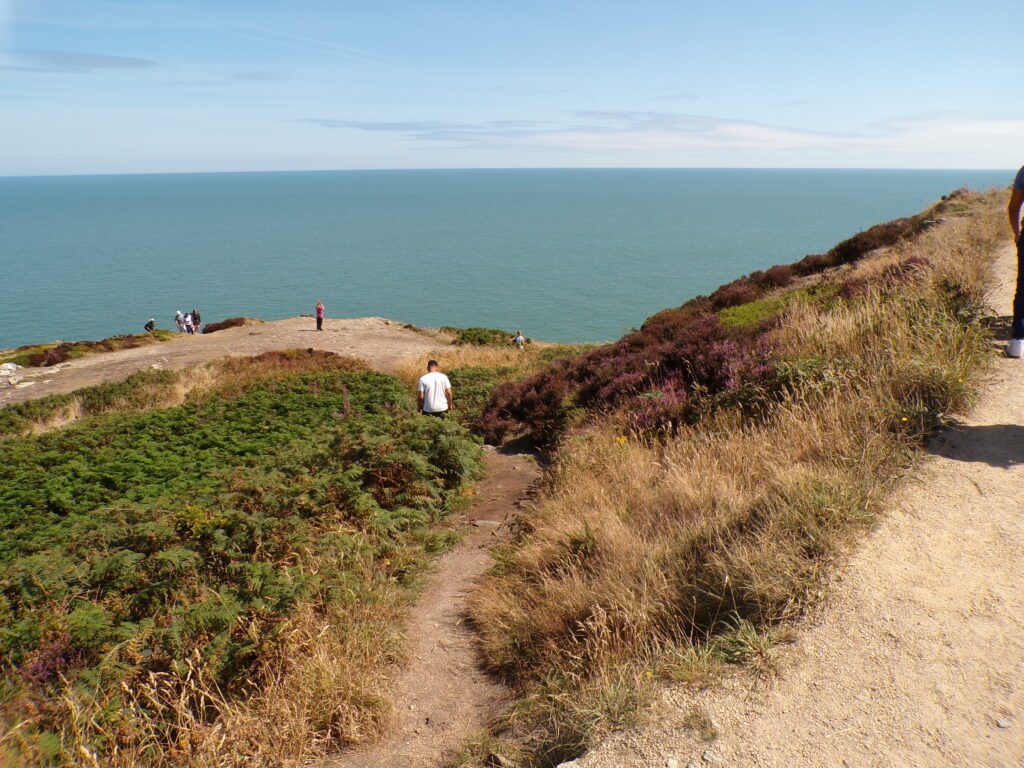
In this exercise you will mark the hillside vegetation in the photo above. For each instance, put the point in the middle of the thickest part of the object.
(713, 466)
(214, 575)
(40, 355)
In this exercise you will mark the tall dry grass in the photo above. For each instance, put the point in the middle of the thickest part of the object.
(647, 558)
(515, 362)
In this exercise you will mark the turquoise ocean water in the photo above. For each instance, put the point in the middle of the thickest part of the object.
(568, 255)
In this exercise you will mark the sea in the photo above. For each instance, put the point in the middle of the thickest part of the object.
(566, 255)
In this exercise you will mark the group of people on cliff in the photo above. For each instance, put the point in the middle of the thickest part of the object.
(188, 322)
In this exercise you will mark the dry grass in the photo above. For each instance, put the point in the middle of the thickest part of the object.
(681, 554)
(474, 356)
(316, 692)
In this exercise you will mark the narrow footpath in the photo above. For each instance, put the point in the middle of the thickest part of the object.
(443, 695)
(917, 658)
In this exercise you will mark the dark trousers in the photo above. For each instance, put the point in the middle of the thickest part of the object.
(436, 414)
(319, 323)
(1018, 297)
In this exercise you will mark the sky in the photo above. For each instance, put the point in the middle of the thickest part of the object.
(140, 86)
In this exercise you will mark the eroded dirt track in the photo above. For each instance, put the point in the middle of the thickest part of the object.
(443, 695)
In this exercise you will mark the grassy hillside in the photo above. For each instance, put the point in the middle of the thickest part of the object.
(214, 575)
(713, 466)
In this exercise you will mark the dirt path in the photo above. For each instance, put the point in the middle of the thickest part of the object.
(918, 657)
(443, 696)
(382, 343)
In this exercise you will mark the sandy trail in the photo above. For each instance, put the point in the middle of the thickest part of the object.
(917, 659)
(381, 343)
(443, 695)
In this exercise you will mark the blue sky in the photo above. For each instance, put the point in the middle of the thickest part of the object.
(124, 86)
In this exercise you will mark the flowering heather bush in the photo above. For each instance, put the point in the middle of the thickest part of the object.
(653, 371)
(57, 658)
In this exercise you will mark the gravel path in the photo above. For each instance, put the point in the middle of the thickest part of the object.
(917, 659)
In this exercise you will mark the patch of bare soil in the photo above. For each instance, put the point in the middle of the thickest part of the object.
(917, 657)
(443, 695)
(381, 343)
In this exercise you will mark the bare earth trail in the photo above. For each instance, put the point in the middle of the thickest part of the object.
(443, 695)
(917, 657)
(381, 343)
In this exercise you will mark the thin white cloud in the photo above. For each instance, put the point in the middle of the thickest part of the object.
(75, 61)
(933, 140)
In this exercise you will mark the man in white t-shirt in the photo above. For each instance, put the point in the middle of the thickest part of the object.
(435, 392)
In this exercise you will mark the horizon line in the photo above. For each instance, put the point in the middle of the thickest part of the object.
(495, 168)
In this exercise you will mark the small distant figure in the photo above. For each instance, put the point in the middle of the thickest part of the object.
(188, 324)
(518, 341)
(195, 321)
(150, 326)
(319, 315)
(179, 320)
(435, 392)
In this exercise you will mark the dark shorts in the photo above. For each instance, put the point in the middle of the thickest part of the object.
(438, 414)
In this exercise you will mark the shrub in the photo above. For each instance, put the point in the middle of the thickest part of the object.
(494, 337)
(231, 322)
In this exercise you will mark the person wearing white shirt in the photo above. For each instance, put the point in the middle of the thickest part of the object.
(435, 392)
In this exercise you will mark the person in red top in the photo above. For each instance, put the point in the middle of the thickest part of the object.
(319, 315)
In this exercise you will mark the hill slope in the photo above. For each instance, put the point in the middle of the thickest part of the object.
(918, 656)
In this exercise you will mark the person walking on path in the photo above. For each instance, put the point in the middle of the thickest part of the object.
(518, 340)
(188, 324)
(179, 320)
(195, 320)
(1016, 346)
(319, 315)
(434, 391)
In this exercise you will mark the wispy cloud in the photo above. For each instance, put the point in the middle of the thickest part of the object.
(626, 133)
(74, 62)
(257, 76)
(432, 129)
(679, 96)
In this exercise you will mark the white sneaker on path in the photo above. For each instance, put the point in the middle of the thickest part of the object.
(1015, 348)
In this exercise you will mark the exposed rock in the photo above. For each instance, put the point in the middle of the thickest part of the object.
(712, 757)
(1003, 723)
(494, 760)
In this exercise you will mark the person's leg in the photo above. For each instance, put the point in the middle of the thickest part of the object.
(319, 323)
(1017, 332)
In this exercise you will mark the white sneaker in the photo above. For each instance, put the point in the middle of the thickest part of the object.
(1015, 348)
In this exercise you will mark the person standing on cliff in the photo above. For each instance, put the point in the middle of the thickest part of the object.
(195, 320)
(1016, 346)
(435, 392)
(319, 315)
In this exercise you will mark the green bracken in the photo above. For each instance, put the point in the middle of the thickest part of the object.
(179, 542)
